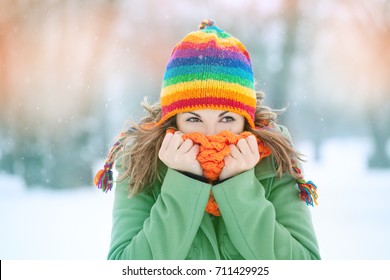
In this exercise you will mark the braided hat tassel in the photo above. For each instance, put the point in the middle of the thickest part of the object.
(307, 189)
(104, 178)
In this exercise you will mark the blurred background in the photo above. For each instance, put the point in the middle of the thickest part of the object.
(73, 72)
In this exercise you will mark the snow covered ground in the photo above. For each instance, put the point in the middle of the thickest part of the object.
(352, 220)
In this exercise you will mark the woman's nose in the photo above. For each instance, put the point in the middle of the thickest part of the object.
(211, 130)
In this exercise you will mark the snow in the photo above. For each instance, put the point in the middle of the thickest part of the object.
(59, 225)
(351, 221)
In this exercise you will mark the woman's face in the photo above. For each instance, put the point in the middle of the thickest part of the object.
(210, 122)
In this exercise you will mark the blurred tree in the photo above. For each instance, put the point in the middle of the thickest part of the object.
(52, 54)
(378, 36)
(371, 20)
(282, 78)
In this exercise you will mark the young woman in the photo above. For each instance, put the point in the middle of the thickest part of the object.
(208, 173)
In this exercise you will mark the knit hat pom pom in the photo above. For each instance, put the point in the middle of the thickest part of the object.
(206, 22)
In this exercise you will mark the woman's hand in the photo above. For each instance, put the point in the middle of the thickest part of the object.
(242, 157)
(179, 154)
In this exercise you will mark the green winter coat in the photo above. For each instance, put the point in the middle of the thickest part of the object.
(262, 218)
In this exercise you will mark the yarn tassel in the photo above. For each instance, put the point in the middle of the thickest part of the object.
(307, 190)
(104, 179)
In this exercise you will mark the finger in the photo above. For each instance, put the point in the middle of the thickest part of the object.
(186, 146)
(228, 159)
(166, 141)
(252, 142)
(234, 152)
(194, 149)
(243, 146)
(176, 141)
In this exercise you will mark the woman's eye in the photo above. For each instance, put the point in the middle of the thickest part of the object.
(227, 119)
(193, 119)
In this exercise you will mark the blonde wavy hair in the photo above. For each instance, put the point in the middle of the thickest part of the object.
(143, 141)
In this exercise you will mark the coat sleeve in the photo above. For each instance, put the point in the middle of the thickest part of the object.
(266, 222)
(161, 227)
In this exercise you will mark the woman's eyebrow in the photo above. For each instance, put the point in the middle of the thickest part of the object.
(223, 113)
(195, 114)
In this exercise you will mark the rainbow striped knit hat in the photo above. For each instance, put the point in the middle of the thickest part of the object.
(209, 69)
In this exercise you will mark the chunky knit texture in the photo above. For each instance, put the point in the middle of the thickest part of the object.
(212, 152)
(209, 69)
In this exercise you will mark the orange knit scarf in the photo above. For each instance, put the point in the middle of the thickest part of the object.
(212, 151)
